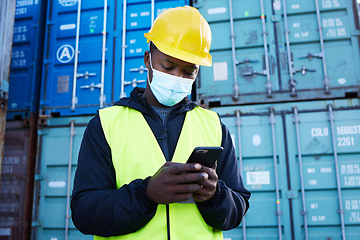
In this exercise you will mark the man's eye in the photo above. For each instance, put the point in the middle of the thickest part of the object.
(167, 68)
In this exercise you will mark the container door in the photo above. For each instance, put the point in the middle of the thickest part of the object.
(131, 71)
(24, 86)
(14, 170)
(324, 153)
(59, 148)
(323, 51)
(76, 60)
(243, 52)
(258, 143)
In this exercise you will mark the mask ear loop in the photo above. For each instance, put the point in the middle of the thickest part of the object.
(148, 79)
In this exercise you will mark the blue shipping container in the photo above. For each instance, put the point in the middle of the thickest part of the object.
(301, 161)
(101, 75)
(271, 51)
(26, 59)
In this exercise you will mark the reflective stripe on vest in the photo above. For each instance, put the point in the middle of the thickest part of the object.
(136, 155)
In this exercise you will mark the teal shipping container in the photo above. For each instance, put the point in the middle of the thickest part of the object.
(301, 162)
(280, 51)
(59, 144)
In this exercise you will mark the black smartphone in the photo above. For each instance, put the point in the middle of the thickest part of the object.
(206, 156)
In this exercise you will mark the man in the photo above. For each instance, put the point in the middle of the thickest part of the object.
(132, 180)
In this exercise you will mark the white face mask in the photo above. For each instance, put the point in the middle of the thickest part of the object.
(169, 89)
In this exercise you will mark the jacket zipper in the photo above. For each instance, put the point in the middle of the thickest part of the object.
(166, 153)
(168, 221)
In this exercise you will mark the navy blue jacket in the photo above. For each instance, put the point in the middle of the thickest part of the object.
(99, 208)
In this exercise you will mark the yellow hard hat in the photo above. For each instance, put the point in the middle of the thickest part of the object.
(183, 33)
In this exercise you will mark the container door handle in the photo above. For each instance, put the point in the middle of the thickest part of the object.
(141, 69)
(92, 86)
(134, 82)
(85, 75)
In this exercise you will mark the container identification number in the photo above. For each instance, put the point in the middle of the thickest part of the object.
(7, 169)
(345, 141)
(348, 130)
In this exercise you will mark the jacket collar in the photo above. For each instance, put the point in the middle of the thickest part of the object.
(140, 104)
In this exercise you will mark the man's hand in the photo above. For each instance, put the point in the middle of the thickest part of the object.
(177, 182)
(208, 185)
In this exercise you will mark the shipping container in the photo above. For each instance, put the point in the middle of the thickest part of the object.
(14, 175)
(59, 144)
(301, 162)
(139, 17)
(26, 59)
(85, 47)
(278, 51)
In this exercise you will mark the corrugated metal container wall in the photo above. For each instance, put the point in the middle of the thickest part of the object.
(101, 75)
(301, 161)
(270, 51)
(13, 181)
(74, 43)
(139, 17)
(26, 59)
(59, 144)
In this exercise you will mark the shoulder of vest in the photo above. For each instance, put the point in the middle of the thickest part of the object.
(206, 111)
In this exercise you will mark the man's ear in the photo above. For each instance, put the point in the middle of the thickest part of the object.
(147, 59)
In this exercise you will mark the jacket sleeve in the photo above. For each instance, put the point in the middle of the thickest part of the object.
(98, 207)
(228, 206)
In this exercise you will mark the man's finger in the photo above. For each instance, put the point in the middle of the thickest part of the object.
(179, 168)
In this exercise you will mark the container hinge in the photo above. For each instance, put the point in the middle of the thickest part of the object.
(38, 177)
(292, 194)
(35, 224)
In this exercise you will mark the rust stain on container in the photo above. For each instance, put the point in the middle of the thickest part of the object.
(13, 184)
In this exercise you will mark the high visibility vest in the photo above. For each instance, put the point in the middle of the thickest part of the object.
(136, 154)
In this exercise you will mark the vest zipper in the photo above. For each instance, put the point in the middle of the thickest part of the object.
(168, 221)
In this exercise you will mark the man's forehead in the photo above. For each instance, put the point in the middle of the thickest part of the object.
(172, 60)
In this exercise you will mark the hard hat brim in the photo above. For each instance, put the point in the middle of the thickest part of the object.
(185, 56)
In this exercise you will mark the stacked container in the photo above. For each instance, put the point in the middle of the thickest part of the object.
(93, 55)
(271, 51)
(285, 81)
(26, 59)
(17, 171)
